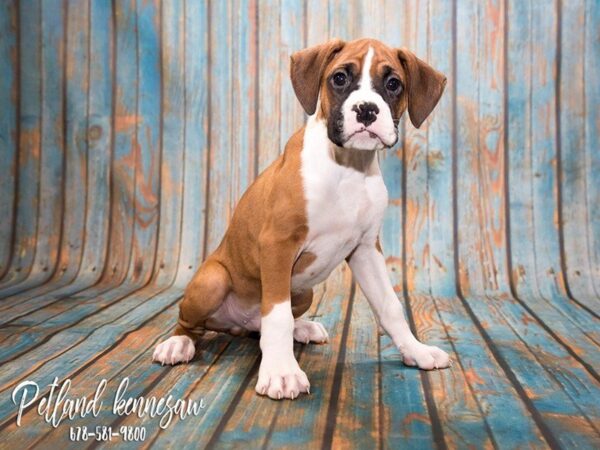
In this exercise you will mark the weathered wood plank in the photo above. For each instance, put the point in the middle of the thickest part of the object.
(392, 160)
(114, 364)
(441, 195)
(172, 140)
(550, 380)
(27, 189)
(126, 120)
(416, 157)
(535, 253)
(592, 137)
(472, 394)
(574, 187)
(100, 141)
(51, 149)
(292, 38)
(195, 139)
(71, 277)
(66, 351)
(480, 144)
(76, 143)
(220, 124)
(317, 23)
(9, 82)
(358, 420)
(245, 95)
(269, 83)
(147, 135)
(461, 421)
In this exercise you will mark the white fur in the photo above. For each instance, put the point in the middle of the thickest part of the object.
(345, 209)
(368, 267)
(175, 350)
(383, 127)
(279, 375)
(306, 331)
(342, 206)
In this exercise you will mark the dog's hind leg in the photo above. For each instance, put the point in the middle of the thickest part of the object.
(202, 297)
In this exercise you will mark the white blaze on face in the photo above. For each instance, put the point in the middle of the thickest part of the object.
(379, 134)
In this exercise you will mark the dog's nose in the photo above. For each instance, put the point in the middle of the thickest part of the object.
(366, 113)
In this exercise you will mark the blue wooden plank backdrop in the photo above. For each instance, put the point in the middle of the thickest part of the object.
(130, 128)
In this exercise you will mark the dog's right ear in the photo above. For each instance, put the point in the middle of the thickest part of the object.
(306, 70)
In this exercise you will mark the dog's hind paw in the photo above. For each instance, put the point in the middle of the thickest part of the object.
(306, 331)
(175, 350)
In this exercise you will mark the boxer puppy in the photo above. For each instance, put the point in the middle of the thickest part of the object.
(320, 203)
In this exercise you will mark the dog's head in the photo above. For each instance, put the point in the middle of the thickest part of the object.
(362, 87)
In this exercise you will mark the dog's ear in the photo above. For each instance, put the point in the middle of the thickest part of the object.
(425, 86)
(306, 70)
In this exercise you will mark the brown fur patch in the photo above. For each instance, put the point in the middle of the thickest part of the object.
(267, 229)
(305, 260)
(301, 302)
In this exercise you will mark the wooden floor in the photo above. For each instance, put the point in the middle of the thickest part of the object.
(517, 381)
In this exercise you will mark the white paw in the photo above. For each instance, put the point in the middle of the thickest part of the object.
(174, 350)
(279, 379)
(426, 357)
(306, 331)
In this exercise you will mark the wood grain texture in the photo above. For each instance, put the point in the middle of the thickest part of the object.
(129, 130)
(9, 88)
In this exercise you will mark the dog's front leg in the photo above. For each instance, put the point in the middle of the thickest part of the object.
(369, 270)
(279, 375)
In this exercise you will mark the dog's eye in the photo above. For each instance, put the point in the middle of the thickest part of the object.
(340, 79)
(392, 84)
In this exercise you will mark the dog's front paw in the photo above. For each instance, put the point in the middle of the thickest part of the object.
(425, 357)
(174, 350)
(306, 331)
(281, 379)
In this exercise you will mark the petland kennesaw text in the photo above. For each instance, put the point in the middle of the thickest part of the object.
(56, 406)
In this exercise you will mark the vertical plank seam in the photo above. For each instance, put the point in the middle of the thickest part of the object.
(256, 88)
(535, 282)
(588, 236)
(209, 125)
(559, 169)
(86, 140)
(161, 109)
(113, 35)
(63, 187)
(182, 204)
(332, 407)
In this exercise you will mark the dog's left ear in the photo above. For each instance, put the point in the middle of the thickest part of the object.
(306, 70)
(425, 86)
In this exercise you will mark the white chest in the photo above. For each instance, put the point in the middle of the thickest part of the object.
(344, 208)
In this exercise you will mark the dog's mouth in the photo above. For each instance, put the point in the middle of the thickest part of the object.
(363, 130)
(372, 134)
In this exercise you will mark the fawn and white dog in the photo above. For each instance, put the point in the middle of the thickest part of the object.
(320, 203)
